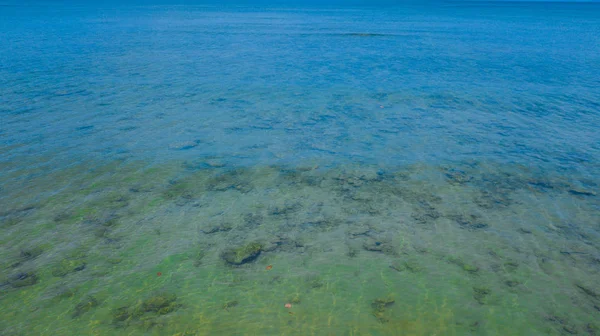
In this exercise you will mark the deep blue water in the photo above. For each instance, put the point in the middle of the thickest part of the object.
(510, 82)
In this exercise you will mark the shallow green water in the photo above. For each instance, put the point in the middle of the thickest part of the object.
(357, 250)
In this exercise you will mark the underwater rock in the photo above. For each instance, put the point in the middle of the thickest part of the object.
(183, 145)
(425, 213)
(117, 201)
(457, 177)
(145, 315)
(65, 292)
(252, 220)
(223, 227)
(380, 306)
(375, 245)
(357, 232)
(396, 266)
(198, 257)
(27, 255)
(314, 281)
(322, 223)
(469, 222)
(424, 200)
(492, 199)
(512, 283)
(121, 314)
(230, 304)
(423, 217)
(23, 280)
(233, 179)
(347, 181)
(352, 252)
(480, 294)
(19, 211)
(588, 291)
(511, 266)
(287, 209)
(370, 207)
(15, 216)
(4, 283)
(84, 306)
(178, 190)
(284, 244)
(592, 329)
(243, 187)
(63, 216)
(546, 265)
(161, 304)
(196, 164)
(67, 266)
(577, 191)
(10, 221)
(114, 261)
(32, 253)
(563, 323)
(538, 184)
(407, 265)
(105, 233)
(243, 254)
(214, 163)
(472, 269)
(105, 220)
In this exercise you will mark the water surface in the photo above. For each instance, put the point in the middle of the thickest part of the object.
(398, 170)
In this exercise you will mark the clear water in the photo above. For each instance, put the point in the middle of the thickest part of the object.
(397, 170)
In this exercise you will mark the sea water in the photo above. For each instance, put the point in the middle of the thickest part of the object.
(402, 169)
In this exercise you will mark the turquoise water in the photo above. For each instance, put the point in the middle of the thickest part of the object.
(393, 170)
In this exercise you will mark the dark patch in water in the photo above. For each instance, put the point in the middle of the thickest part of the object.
(85, 128)
(366, 34)
(470, 222)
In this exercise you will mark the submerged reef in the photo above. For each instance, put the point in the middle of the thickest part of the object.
(224, 245)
